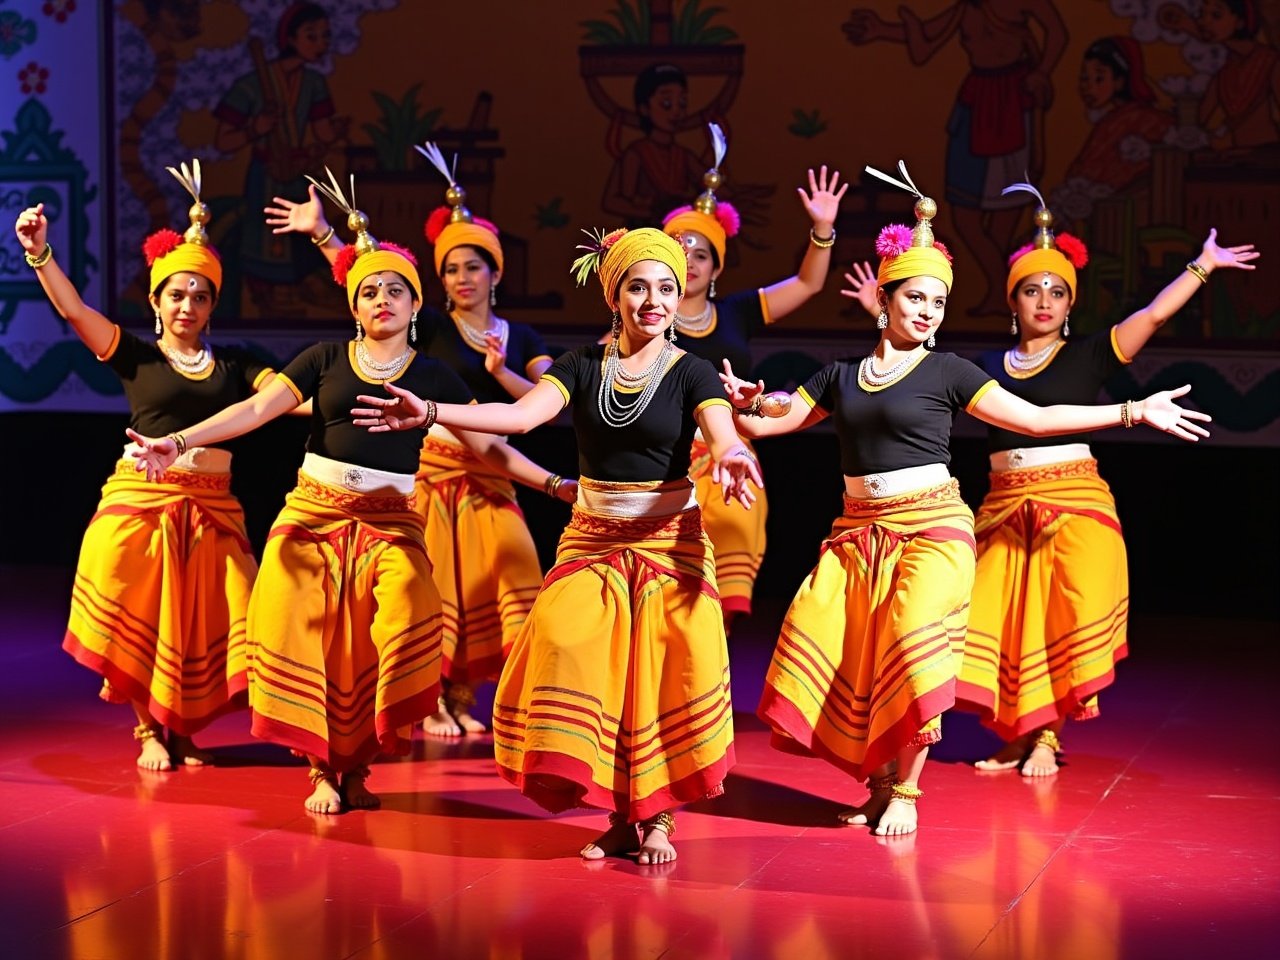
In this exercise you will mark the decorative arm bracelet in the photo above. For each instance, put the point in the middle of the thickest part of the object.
(180, 442)
(1126, 414)
(430, 420)
(744, 452)
(822, 242)
(41, 258)
(321, 241)
(768, 405)
(551, 485)
(1197, 271)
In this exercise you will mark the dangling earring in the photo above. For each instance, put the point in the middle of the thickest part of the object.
(413, 327)
(1013, 325)
(616, 327)
(493, 294)
(931, 342)
(159, 327)
(711, 291)
(359, 331)
(671, 332)
(882, 321)
(1066, 326)
(448, 303)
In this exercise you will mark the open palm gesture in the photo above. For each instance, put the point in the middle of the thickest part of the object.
(861, 285)
(822, 202)
(1234, 257)
(401, 411)
(1161, 413)
(289, 217)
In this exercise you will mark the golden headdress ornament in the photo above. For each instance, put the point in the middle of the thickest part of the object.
(1048, 252)
(713, 218)
(911, 252)
(453, 225)
(168, 252)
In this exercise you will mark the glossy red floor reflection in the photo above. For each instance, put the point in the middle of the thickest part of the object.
(1160, 839)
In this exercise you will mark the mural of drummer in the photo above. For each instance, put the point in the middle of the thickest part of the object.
(996, 130)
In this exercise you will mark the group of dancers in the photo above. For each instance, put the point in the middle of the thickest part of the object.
(400, 572)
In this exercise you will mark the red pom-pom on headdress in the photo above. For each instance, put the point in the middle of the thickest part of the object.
(728, 217)
(1073, 249)
(895, 239)
(675, 213)
(612, 237)
(342, 265)
(1020, 253)
(396, 248)
(159, 244)
(942, 249)
(437, 221)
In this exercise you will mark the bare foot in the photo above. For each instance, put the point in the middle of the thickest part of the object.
(325, 797)
(468, 723)
(620, 839)
(869, 811)
(1042, 762)
(154, 755)
(655, 846)
(1008, 757)
(441, 724)
(356, 793)
(185, 752)
(899, 818)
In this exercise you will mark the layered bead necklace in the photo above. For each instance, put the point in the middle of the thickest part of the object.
(1029, 363)
(478, 338)
(696, 325)
(621, 413)
(185, 365)
(867, 370)
(377, 370)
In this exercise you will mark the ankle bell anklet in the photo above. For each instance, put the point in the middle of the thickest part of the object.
(318, 776)
(1047, 738)
(887, 782)
(145, 731)
(664, 822)
(907, 793)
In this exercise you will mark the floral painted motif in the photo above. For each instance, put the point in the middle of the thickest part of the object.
(59, 9)
(32, 77)
(15, 32)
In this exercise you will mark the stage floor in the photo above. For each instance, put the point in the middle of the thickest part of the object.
(1160, 837)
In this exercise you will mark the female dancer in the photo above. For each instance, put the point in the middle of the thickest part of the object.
(162, 583)
(483, 559)
(616, 694)
(1050, 607)
(344, 625)
(721, 328)
(866, 661)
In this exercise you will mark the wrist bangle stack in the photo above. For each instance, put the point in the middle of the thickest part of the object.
(551, 485)
(1126, 414)
(41, 258)
(180, 442)
(321, 241)
(822, 243)
(1197, 271)
(430, 419)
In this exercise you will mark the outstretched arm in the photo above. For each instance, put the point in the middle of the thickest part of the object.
(306, 217)
(501, 455)
(404, 411)
(93, 329)
(158, 453)
(799, 414)
(1002, 409)
(822, 203)
(1134, 331)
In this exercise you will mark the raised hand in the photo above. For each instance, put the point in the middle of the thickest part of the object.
(1237, 258)
(155, 454)
(862, 286)
(402, 411)
(741, 392)
(32, 228)
(822, 202)
(1161, 413)
(495, 353)
(289, 217)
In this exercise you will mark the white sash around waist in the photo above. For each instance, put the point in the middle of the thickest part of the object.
(196, 459)
(636, 503)
(891, 483)
(355, 478)
(1021, 457)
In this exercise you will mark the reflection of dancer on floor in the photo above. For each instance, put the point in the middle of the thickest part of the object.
(483, 559)
(344, 623)
(162, 584)
(1050, 607)
(720, 328)
(616, 695)
(994, 133)
(866, 661)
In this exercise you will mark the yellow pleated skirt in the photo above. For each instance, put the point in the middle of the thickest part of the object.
(867, 658)
(344, 626)
(616, 694)
(161, 593)
(484, 561)
(1050, 610)
(736, 533)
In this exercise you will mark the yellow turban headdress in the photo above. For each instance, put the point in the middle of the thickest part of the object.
(911, 252)
(453, 225)
(366, 256)
(1062, 254)
(169, 252)
(611, 254)
(714, 219)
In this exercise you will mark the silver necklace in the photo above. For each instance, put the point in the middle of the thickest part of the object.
(698, 324)
(184, 364)
(622, 413)
(477, 338)
(867, 370)
(1028, 361)
(631, 379)
(377, 370)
